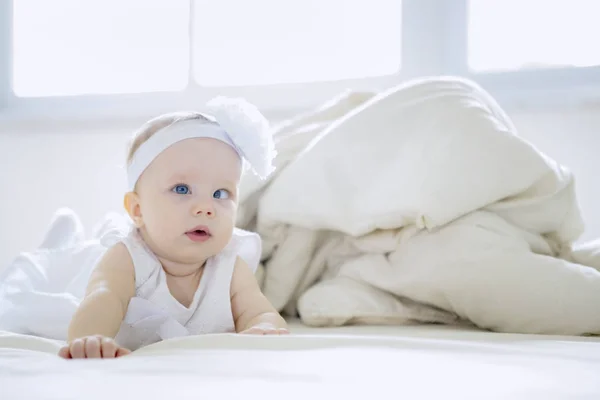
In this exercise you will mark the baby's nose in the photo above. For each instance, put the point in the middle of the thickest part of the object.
(204, 209)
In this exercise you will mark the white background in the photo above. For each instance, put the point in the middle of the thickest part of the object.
(54, 154)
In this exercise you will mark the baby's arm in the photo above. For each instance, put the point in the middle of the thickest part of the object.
(252, 312)
(99, 316)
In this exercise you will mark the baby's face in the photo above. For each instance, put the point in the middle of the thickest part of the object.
(188, 200)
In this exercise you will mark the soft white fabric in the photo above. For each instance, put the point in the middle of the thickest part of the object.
(168, 136)
(249, 130)
(236, 123)
(415, 362)
(422, 203)
(41, 289)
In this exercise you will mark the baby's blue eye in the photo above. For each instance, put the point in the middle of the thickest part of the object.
(221, 194)
(181, 189)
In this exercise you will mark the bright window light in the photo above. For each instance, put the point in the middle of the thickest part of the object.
(281, 41)
(74, 47)
(526, 34)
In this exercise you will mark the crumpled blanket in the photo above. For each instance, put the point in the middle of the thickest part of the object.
(422, 203)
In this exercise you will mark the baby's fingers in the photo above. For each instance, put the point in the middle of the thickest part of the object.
(122, 352)
(92, 347)
(270, 331)
(64, 352)
(77, 348)
(253, 331)
(108, 348)
(265, 330)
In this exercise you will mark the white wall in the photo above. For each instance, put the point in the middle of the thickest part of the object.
(43, 171)
(45, 168)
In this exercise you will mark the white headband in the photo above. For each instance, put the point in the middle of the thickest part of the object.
(240, 125)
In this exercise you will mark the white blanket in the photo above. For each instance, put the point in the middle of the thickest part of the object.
(417, 204)
(392, 207)
(41, 289)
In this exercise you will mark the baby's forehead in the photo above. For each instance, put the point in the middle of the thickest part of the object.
(200, 170)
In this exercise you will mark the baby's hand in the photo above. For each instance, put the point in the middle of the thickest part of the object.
(265, 328)
(93, 347)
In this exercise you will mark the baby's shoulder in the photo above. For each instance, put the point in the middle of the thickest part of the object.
(115, 270)
(245, 245)
(114, 228)
(118, 234)
(116, 259)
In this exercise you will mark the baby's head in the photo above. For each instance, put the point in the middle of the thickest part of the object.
(184, 171)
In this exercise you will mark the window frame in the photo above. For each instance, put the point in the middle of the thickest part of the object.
(434, 42)
(525, 89)
(277, 99)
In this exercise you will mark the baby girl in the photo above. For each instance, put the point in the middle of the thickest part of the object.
(183, 268)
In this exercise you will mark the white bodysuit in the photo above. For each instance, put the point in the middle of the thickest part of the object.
(154, 314)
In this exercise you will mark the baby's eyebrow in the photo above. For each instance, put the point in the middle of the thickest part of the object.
(177, 177)
(229, 183)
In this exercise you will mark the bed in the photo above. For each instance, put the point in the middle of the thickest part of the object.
(412, 361)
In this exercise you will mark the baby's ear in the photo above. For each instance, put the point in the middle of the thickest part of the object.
(132, 206)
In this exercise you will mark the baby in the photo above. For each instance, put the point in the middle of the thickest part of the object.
(183, 268)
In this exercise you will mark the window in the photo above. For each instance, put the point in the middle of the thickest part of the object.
(275, 41)
(111, 57)
(512, 35)
(73, 47)
(70, 47)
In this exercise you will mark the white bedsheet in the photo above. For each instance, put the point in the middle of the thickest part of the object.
(413, 362)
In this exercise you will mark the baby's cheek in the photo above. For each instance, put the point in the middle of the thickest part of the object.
(226, 225)
(163, 226)
(227, 210)
(160, 224)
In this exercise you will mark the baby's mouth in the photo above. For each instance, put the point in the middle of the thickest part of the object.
(199, 234)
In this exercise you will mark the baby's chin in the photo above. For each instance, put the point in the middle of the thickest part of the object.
(186, 255)
(195, 258)
(188, 252)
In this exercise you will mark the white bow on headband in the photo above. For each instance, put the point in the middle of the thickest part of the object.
(239, 124)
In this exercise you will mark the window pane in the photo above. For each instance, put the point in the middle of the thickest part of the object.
(240, 42)
(71, 47)
(516, 34)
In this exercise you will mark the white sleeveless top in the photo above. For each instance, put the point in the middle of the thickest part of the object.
(154, 314)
